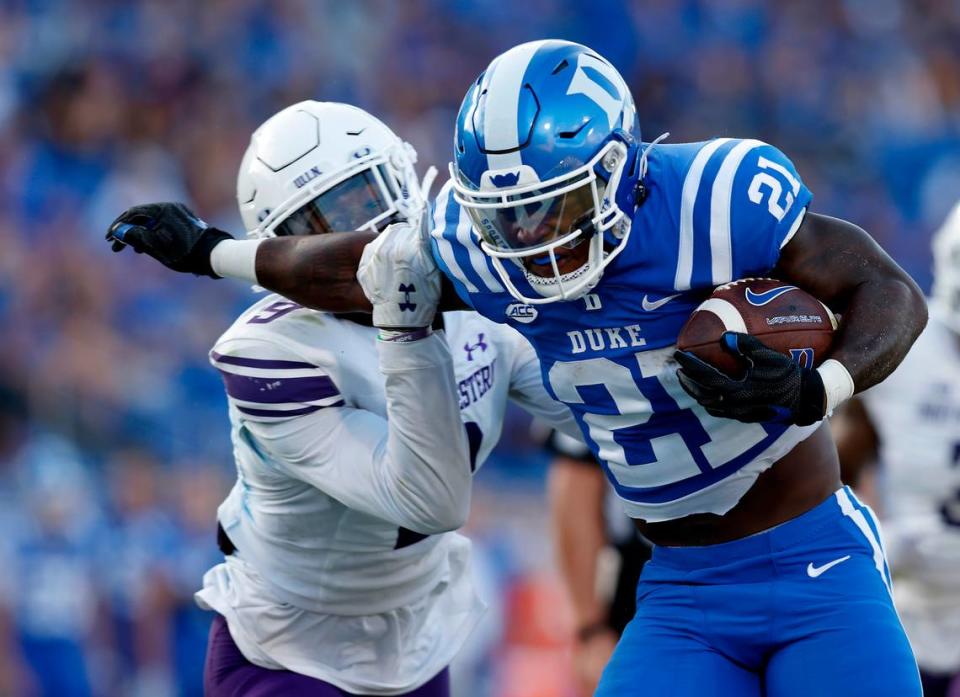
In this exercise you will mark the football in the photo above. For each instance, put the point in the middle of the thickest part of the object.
(782, 316)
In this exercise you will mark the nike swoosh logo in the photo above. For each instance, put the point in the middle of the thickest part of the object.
(651, 305)
(758, 299)
(814, 571)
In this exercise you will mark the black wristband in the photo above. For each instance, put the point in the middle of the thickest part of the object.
(200, 254)
(813, 399)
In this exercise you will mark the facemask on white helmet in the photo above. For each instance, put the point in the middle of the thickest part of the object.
(319, 167)
(946, 270)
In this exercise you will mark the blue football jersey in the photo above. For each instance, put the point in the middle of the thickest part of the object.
(715, 211)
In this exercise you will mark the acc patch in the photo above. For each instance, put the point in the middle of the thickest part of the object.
(521, 312)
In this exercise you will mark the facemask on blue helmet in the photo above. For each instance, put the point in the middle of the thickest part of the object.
(546, 160)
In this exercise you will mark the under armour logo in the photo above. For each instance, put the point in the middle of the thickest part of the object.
(406, 304)
(481, 344)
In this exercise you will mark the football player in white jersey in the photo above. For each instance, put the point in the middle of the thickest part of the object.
(341, 575)
(909, 425)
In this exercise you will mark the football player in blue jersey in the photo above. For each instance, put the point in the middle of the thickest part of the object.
(768, 577)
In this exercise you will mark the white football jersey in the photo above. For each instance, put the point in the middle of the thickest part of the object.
(916, 414)
(332, 578)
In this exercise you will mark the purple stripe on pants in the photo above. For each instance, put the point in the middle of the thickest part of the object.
(227, 673)
(277, 390)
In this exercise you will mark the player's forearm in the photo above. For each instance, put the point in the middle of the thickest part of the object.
(881, 322)
(883, 310)
(317, 271)
(576, 510)
(427, 458)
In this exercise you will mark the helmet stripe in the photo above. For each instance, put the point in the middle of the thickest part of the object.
(505, 80)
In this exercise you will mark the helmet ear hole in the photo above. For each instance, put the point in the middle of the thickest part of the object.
(611, 160)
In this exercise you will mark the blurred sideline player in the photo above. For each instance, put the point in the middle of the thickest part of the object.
(340, 576)
(768, 576)
(909, 425)
(599, 555)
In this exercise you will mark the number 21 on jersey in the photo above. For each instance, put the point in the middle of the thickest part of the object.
(660, 450)
(778, 203)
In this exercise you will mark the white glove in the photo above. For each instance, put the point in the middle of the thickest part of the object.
(400, 278)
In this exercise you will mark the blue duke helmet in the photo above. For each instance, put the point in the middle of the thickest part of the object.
(547, 158)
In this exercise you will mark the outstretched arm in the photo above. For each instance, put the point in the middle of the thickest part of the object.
(316, 271)
(320, 272)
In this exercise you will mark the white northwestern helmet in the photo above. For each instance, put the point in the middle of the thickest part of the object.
(319, 167)
(946, 270)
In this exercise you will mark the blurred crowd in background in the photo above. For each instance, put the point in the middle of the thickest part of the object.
(114, 448)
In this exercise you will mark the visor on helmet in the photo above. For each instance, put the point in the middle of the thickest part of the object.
(358, 202)
(539, 218)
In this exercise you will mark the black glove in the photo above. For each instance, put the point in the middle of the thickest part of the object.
(169, 232)
(774, 387)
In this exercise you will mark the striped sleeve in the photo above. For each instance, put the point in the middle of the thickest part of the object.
(741, 202)
(457, 251)
(267, 383)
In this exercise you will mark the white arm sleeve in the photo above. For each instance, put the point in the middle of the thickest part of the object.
(236, 259)
(412, 469)
(527, 390)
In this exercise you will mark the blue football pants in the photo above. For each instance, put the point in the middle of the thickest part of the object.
(801, 610)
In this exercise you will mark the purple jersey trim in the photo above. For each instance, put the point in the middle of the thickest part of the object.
(278, 390)
(284, 413)
(260, 362)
